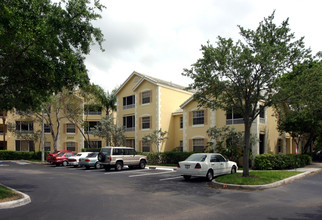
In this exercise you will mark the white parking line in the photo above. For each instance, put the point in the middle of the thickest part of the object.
(171, 178)
(147, 174)
(123, 171)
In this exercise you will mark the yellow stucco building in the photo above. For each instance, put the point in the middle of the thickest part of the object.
(145, 104)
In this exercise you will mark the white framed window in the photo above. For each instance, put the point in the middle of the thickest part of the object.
(70, 128)
(46, 129)
(71, 146)
(145, 147)
(129, 102)
(129, 123)
(47, 146)
(23, 145)
(198, 145)
(146, 97)
(24, 126)
(146, 122)
(198, 117)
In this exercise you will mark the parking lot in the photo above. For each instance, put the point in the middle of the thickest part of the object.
(66, 192)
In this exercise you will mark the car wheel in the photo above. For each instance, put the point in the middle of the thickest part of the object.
(107, 167)
(210, 175)
(87, 167)
(101, 157)
(97, 165)
(118, 166)
(65, 163)
(142, 164)
(233, 170)
(186, 177)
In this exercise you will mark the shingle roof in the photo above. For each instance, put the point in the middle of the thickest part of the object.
(155, 81)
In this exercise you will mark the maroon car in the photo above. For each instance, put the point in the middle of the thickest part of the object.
(50, 157)
(62, 158)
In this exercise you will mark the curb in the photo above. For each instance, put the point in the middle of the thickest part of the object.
(160, 168)
(219, 185)
(15, 203)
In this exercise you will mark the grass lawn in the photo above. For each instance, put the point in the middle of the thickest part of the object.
(7, 194)
(256, 177)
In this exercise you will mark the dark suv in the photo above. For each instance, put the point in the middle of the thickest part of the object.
(118, 157)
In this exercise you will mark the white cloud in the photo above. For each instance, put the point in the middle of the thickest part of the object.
(160, 38)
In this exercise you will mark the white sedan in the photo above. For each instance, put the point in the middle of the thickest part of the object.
(74, 160)
(206, 165)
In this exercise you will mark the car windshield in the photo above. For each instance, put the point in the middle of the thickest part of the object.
(93, 154)
(106, 151)
(197, 157)
(60, 154)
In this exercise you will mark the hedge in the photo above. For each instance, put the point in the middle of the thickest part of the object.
(91, 150)
(171, 157)
(20, 155)
(280, 161)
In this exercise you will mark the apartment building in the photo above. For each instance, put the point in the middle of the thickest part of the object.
(145, 103)
(21, 131)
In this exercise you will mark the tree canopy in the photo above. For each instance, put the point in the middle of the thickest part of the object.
(240, 75)
(298, 102)
(42, 48)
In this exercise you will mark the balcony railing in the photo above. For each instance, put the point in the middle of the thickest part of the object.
(93, 112)
(234, 121)
(129, 129)
(128, 106)
(262, 120)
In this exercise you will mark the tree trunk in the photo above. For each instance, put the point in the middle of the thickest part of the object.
(246, 149)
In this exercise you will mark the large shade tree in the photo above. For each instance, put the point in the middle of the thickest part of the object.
(42, 48)
(298, 103)
(240, 75)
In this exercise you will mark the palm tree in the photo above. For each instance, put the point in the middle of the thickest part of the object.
(107, 99)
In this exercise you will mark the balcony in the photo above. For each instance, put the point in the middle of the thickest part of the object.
(234, 121)
(128, 106)
(129, 129)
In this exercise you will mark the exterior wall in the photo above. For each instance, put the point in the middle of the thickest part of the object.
(175, 132)
(63, 138)
(272, 133)
(273, 142)
(164, 101)
(127, 90)
(146, 110)
(191, 131)
(169, 102)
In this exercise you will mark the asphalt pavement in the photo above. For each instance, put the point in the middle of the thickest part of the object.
(307, 170)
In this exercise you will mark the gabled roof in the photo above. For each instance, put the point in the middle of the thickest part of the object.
(155, 81)
(186, 102)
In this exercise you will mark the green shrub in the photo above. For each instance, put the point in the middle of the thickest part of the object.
(171, 157)
(280, 162)
(20, 155)
(91, 150)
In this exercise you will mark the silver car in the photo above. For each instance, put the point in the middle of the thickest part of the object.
(74, 160)
(117, 157)
(90, 161)
(206, 165)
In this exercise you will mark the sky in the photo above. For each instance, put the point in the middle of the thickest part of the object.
(162, 37)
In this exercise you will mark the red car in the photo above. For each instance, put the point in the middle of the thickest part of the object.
(50, 157)
(62, 158)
